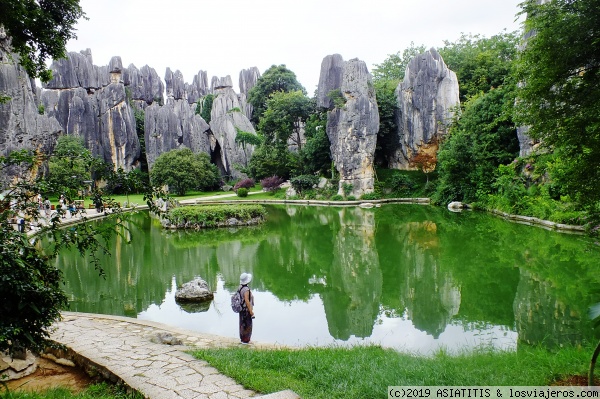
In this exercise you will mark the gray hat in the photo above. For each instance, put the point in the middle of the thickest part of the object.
(245, 278)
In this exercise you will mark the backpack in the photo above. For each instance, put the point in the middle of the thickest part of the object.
(236, 302)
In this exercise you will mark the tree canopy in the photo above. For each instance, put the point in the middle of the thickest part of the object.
(39, 30)
(284, 117)
(559, 98)
(182, 170)
(481, 63)
(276, 78)
(394, 67)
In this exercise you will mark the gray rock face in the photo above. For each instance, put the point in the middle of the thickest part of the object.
(427, 98)
(144, 84)
(173, 126)
(22, 126)
(226, 118)
(175, 85)
(332, 70)
(194, 291)
(248, 79)
(91, 102)
(198, 88)
(352, 129)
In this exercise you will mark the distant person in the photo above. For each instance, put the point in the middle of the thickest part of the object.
(47, 206)
(247, 313)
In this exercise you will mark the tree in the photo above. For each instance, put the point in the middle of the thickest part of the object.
(481, 63)
(182, 170)
(315, 156)
(486, 125)
(276, 78)
(31, 295)
(394, 67)
(424, 162)
(70, 165)
(39, 30)
(560, 96)
(387, 136)
(284, 117)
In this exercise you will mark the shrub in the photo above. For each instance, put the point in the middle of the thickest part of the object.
(347, 188)
(337, 197)
(271, 183)
(242, 192)
(211, 215)
(370, 196)
(351, 198)
(401, 183)
(244, 183)
(304, 182)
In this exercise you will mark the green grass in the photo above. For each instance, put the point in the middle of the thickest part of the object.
(366, 372)
(96, 391)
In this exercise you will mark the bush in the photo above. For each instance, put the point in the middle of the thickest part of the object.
(242, 192)
(244, 183)
(402, 184)
(351, 198)
(211, 215)
(304, 182)
(337, 197)
(370, 196)
(271, 183)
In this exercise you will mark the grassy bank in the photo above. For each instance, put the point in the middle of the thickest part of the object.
(366, 372)
(96, 391)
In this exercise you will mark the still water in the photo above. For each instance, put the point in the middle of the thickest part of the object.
(411, 277)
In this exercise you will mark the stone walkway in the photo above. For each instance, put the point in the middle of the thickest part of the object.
(128, 350)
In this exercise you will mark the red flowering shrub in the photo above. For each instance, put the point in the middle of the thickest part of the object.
(244, 183)
(271, 183)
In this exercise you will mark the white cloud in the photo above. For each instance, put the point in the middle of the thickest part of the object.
(223, 37)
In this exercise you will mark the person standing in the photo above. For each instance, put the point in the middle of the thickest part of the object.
(247, 313)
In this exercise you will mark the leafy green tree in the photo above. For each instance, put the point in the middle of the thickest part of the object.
(276, 78)
(394, 67)
(487, 126)
(560, 95)
(481, 63)
(182, 170)
(387, 136)
(315, 156)
(70, 165)
(284, 117)
(39, 30)
(31, 294)
(269, 161)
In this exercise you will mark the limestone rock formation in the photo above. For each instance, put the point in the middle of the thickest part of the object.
(175, 85)
(352, 129)
(23, 122)
(91, 102)
(332, 70)
(247, 80)
(144, 85)
(173, 126)
(427, 99)
(198, 89)
(226, 120)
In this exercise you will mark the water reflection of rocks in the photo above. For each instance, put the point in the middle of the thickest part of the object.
(419, 264)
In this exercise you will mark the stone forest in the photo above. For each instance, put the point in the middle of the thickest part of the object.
(430, 220)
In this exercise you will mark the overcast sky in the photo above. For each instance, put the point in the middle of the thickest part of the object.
(223, 37)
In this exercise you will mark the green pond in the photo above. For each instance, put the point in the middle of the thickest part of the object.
(411, 277)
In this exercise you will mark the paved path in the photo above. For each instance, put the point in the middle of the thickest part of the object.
(123, 349)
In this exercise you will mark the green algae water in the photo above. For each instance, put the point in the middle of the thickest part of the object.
(410, 277)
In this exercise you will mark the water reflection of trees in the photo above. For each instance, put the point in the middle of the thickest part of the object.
(429, 265)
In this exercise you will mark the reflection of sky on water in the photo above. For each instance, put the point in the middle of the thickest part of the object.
(303, 323)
